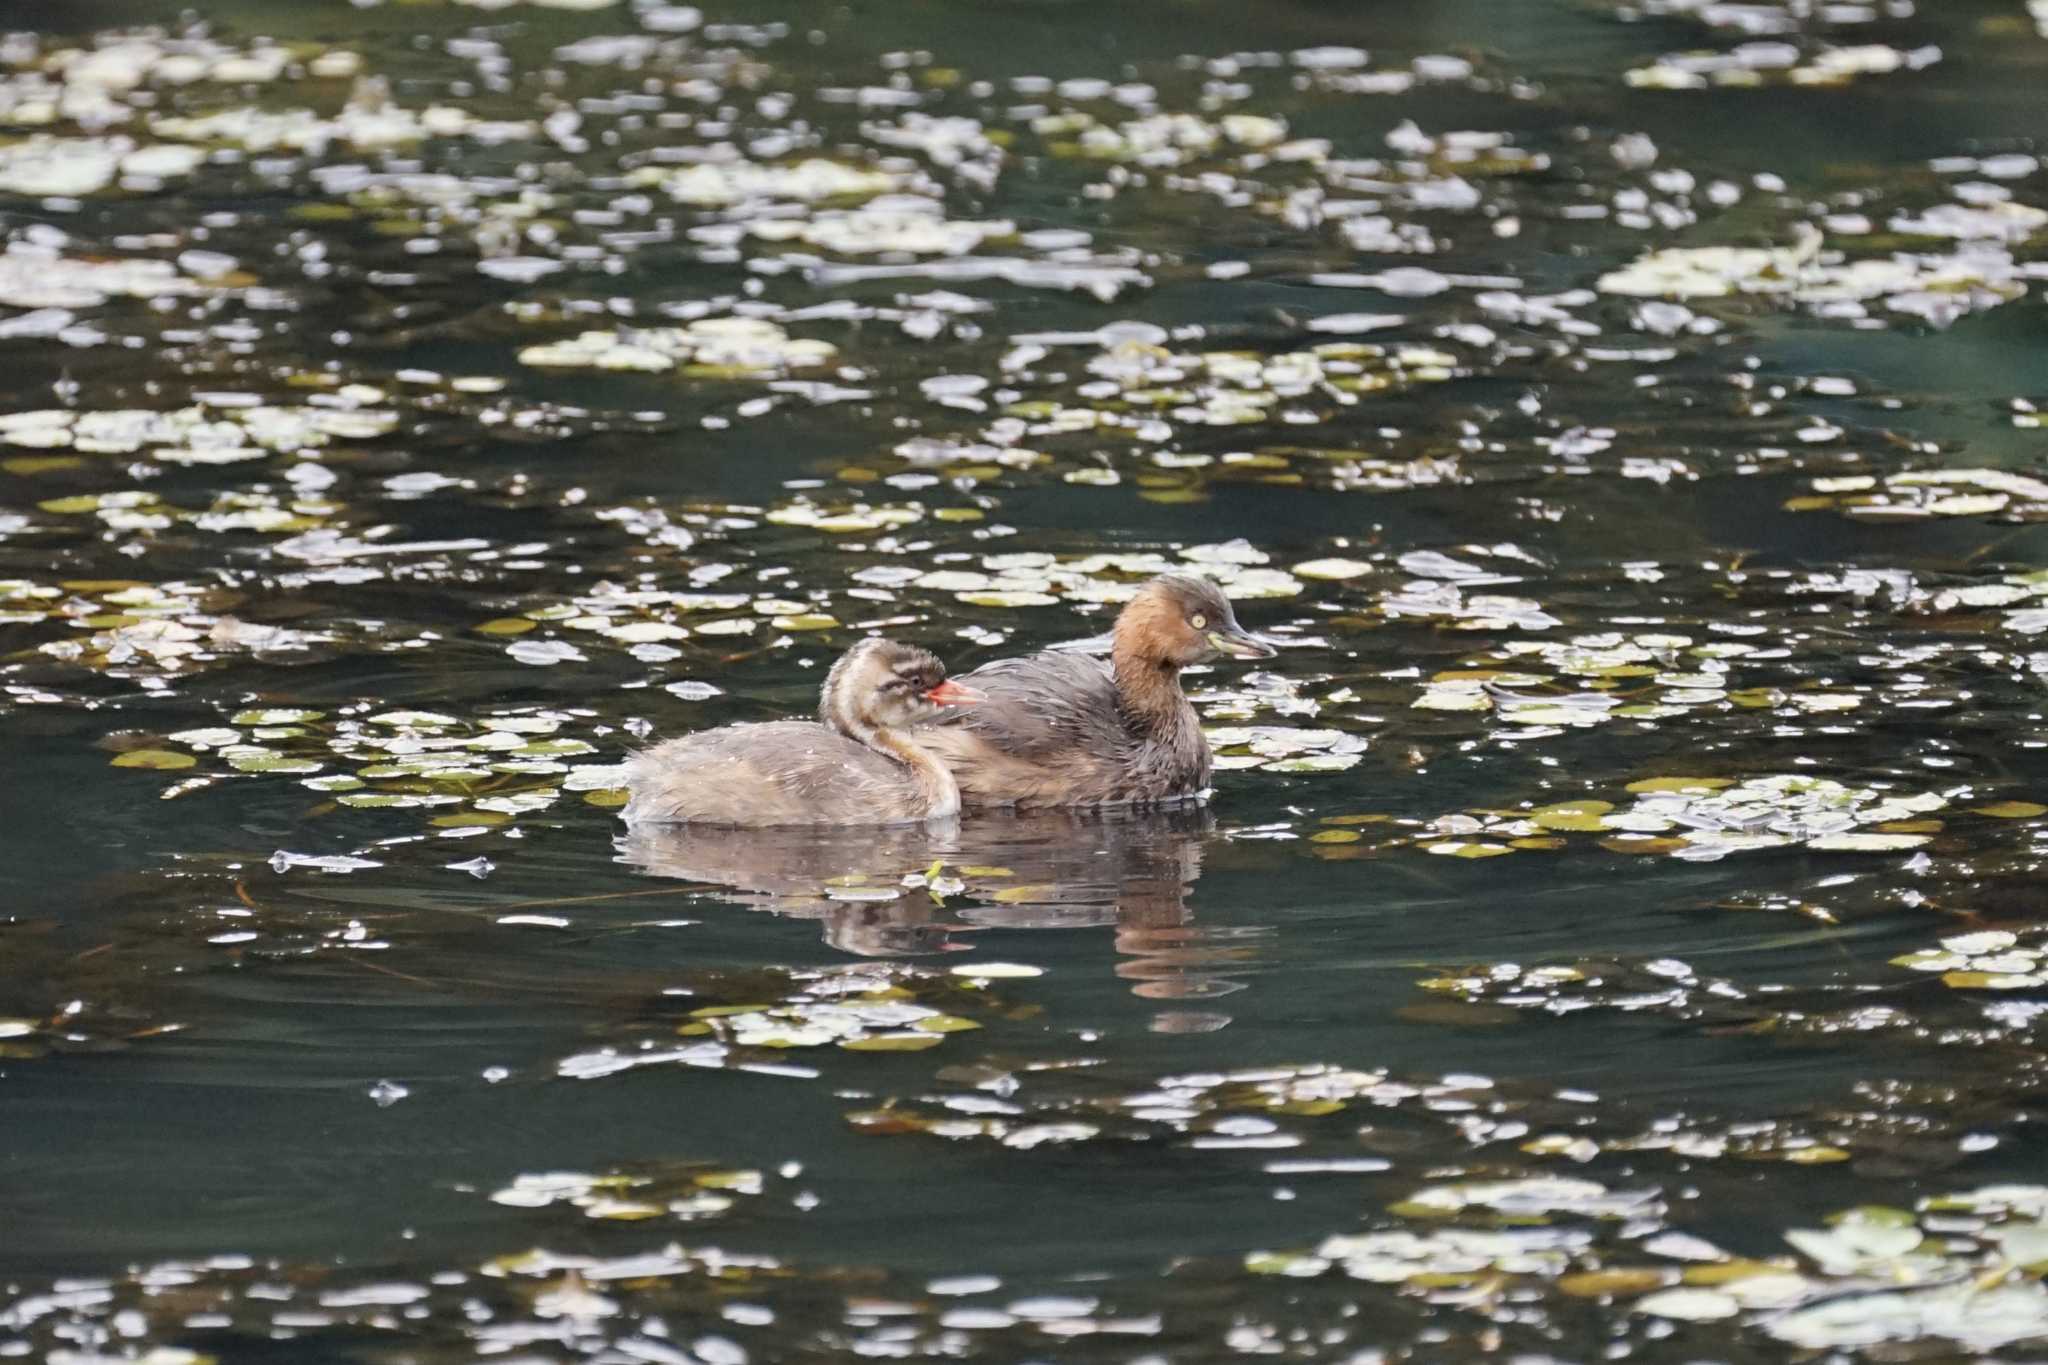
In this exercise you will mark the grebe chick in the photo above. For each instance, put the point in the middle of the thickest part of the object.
(1065, 729)
(860, 767)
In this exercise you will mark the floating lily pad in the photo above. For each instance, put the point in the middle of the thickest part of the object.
(156, 759)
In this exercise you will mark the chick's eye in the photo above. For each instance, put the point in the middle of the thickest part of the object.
(1199, 621)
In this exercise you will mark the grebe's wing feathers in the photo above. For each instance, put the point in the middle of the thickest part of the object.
(1051, 704)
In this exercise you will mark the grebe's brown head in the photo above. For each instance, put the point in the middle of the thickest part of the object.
(1176, 621)
(881, 684)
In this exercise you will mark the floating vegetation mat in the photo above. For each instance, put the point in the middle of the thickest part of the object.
(685, 1193)
(1988, 960)
(730, 348)
(472, 774)
(1705, 819)
(855, 1009)
(1954, 1274)
(1709, 818)
(1918, 494)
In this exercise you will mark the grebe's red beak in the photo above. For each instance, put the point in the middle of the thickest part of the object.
(952, 693)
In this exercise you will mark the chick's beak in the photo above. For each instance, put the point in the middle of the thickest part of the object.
(1240, 643)
(954, 693)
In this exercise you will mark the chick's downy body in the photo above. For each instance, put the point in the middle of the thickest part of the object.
(861, 766)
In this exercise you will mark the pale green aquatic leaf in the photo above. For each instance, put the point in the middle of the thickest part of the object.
(892, 1042)
(277, 716)
(1993, 981)
(1534, 1195)
(1600, 1284)
(266, 761)
(2012, 810)
(1291, 1263)
(944, 1023)
(1453, 696)
(1572, 815)
(1698, 785)
(1853, 1244)
(1455, 848)
(1689, 1305)
(158, 759)
(392, 800)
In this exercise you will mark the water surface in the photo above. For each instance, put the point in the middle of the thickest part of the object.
(1614, 932)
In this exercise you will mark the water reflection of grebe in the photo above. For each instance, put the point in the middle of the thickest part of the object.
(1045, 870)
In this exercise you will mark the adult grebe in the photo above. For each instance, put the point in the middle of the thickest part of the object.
(1065, 729)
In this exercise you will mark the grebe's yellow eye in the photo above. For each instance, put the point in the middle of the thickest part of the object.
(1199, 621)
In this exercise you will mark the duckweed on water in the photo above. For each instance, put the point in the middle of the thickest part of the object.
(724, 348)
(472, 773)
(854, 1009)
(44, 166)
(1917, 494)
(1758, 64)
(39, 277)
(1877, 1276)
(1707, 819)
(368, 125)
(226, 434)
(725, 184)
(687, 1194)
(1938, 288)
(1987, 960)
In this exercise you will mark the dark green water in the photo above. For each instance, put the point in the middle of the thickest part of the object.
(1662, 672)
